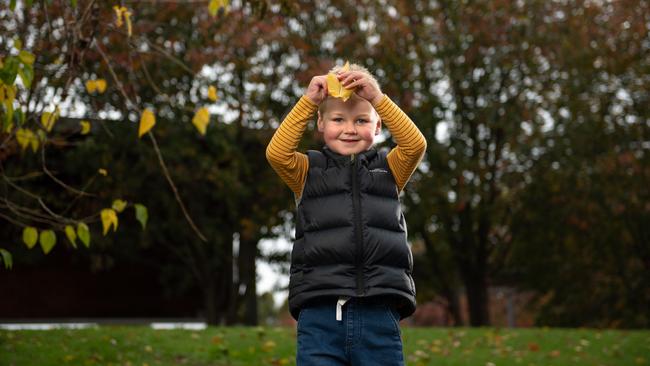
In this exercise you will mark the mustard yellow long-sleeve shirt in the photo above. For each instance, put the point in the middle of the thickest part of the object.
(292, 166)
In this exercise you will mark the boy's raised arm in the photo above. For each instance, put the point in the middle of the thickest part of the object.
(281, 153)
(411, 144)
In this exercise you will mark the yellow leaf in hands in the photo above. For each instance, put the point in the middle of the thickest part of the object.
(147, 121)
(334, 87)
(109, 218)
(201, 120)
(85, 127)
(212, 93)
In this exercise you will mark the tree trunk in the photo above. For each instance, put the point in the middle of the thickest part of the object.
(247, 275)
(453, 303)
(477, 300)
(211, 304)
(454, 307)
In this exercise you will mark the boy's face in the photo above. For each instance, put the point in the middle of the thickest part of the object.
(349, 127)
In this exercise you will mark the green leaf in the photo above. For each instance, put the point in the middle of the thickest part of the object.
(19, 117)
(12, 5)
(47, 240)
(72, 235)
(9, 70)
(9, 115)
(29, 3)
(6, 257)
(27, 75)
(141, 214)
(26, 57)
(73, 3)
(30, 236)
(83, 233)
(119, 205)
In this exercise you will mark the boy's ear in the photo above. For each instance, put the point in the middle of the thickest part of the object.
(319, 123)
(378, 129)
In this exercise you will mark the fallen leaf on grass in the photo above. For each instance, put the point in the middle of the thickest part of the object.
(554, 353)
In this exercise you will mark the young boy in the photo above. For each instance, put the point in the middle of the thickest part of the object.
(350, 276)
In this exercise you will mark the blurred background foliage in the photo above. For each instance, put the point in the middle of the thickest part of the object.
(536, 113)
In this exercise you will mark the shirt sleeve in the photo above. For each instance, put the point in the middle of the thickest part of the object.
(411, 144)
(281, 153)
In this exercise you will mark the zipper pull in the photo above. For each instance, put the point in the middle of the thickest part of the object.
(352, 158)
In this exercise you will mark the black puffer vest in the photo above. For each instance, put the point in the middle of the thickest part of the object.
(350, 233)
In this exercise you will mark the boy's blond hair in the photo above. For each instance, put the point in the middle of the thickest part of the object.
(353, 67)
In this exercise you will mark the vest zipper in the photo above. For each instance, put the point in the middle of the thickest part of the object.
(356, 205)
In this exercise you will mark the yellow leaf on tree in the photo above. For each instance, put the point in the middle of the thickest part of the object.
(26, 57)
(48, 119)
(127, 16)
(83, 233)
(201, 120)
(85, 127)
(91, 86)
(215, 5)
(147, 121)
(334, 87)
(101, 85)
(102, 171)
(47, 240)
(24, 137)
(30, 236)
(35, 140)
(122, 12)
(119, 205)
(118, 15)
(97, 85)
(72, 235)
(212, 93)
(109, 218)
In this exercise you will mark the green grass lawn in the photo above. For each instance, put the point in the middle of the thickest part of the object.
(139, 345)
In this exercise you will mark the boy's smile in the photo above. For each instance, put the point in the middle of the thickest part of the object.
(348, 127)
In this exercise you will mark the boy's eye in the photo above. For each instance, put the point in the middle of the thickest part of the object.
(337, 119)
(361, 120)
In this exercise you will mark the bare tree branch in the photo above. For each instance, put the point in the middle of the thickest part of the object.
(173, 186)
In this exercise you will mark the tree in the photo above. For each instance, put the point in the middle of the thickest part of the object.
(143, 71)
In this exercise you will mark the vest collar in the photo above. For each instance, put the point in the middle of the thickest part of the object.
(362, 157)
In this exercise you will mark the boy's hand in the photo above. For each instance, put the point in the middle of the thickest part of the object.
(317, 89)
(364, 86)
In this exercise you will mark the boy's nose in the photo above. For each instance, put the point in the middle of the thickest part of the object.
(350, 128)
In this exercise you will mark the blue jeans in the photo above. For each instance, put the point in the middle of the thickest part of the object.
(368, 334)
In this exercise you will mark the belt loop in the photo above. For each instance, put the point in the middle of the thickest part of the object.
(341, 301)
